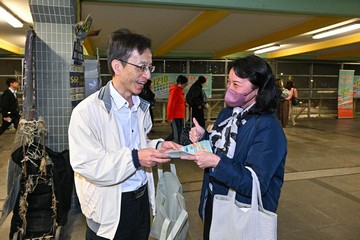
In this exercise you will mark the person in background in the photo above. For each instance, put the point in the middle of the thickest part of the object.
(176, 107)
(290, 85)
(110, 152)
(245, 133)
(9, 105)
(197, 100)
(283, 107)
(148, 95)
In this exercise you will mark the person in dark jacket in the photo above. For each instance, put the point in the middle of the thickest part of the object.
(196, 99)
(10, 105)
(246, 134)
(148, 95)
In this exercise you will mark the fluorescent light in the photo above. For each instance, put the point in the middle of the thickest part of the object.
(337, 31)
(267, 49)
(10, 19)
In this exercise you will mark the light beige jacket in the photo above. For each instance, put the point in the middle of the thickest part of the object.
(100, 161)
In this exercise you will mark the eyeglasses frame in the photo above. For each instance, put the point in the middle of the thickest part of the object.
(143, 68)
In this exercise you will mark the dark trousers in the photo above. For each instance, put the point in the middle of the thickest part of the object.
(198, 113)
(176, 126)
(5, 124)
(134, 220)
(208, 216)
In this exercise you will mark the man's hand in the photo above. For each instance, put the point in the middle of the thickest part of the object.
(8, 119)
(168, 145)
(197, 132)
(149, 157)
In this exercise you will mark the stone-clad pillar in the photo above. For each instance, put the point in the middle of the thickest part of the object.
(54, 22)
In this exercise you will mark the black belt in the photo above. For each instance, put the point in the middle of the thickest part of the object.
(134, 194)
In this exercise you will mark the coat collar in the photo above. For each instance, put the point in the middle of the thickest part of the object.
(105, 96)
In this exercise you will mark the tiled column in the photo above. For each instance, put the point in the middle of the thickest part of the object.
(54, 22)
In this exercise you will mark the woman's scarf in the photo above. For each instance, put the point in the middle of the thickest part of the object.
(223, 137)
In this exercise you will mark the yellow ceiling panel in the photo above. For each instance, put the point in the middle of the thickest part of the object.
(316, 46)
(204, 21)
(342, 54)
(10, 47)
(315, 23)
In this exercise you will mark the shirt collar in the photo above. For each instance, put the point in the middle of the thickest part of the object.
(13, 91)
(120, 102)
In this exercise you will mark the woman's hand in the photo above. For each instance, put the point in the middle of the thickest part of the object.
(204, 159)
(197, 132)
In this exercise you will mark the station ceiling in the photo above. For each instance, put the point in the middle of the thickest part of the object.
(213, 29)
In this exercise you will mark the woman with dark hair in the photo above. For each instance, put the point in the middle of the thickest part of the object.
(196, 99)
(246, 133)
(283, 107)
(290, 86)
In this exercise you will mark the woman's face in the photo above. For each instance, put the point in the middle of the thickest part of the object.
(242, 85)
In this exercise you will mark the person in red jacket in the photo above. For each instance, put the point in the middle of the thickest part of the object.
(176, 108)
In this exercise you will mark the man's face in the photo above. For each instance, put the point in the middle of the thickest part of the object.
(15, 85)
(183, 85)
(131, 79)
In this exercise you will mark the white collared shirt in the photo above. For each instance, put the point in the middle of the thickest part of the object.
(127, 122)
(13, 91)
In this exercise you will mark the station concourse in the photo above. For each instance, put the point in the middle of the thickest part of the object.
(320, 198)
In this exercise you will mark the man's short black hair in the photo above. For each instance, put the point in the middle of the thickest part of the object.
(10, 80)
(122, 43)
(181, 79)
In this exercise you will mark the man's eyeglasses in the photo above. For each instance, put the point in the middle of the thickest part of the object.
(143, 68)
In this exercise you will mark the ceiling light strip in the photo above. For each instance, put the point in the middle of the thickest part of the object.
(10, 18)
(335, 31)
(267, 49)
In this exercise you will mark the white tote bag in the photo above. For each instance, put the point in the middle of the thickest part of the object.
(171, 219)
(234, 220)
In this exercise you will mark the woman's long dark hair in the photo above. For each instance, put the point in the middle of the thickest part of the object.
(259, 73)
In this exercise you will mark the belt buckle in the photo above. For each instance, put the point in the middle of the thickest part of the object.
(140, 192)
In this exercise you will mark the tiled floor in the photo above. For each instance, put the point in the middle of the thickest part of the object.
(320, 198)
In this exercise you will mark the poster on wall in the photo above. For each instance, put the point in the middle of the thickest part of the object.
(162, 81)
(345, 94)
(77, 82)
(356, 86)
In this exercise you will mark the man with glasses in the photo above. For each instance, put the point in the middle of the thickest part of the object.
(109, 149)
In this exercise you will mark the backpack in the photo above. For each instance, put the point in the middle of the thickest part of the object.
(189, 98)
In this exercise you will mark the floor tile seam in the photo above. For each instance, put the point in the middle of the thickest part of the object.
(333, 131)
(293, 176)
(336, 190)
(313, 174)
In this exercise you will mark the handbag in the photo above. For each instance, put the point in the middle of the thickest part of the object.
(285, 93)
(235, 220)
(295, 101)
(171, 218)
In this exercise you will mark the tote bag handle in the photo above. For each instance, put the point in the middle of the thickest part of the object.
(256, 201)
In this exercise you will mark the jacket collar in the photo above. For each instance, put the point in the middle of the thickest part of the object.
(105, 96)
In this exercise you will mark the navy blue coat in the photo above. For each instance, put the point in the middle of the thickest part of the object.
(260, 144)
